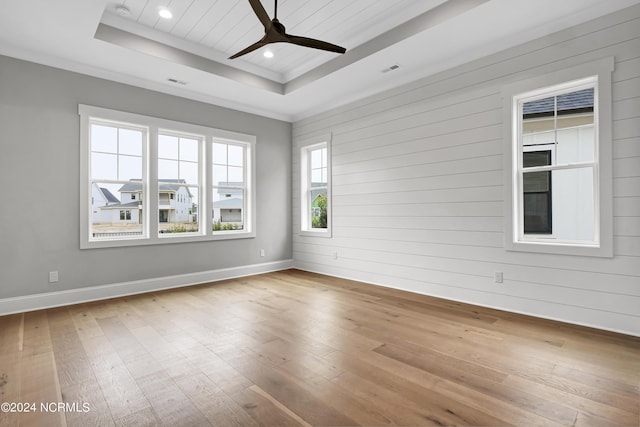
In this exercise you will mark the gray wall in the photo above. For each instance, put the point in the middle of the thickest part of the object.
(39, 172)
(418, 187)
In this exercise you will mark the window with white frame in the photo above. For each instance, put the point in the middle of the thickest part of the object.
(315, 173)
(126, 158)
(559, 154)
(229, 185)
(179, 174)
(118, 157)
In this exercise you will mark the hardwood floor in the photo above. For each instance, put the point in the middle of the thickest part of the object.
(293, 348)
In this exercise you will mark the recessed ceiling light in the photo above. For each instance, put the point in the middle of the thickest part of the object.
(123, 11)
(165, 13)
(268, 54)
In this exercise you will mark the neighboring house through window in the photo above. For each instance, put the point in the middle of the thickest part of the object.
(160, 204)
(117, 155)
(179, 182)
(101, 198)
(229, 195)
(537, 194)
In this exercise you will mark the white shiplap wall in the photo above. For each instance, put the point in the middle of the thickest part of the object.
(418, 199)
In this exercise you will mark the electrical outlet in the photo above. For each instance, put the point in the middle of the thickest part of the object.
(262, 252)
(335, 255)
(498, 277)
(53, 276)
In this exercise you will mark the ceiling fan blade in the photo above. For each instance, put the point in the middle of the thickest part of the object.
(262, 15)
(316, 44)
(256, 45)
(274, 32)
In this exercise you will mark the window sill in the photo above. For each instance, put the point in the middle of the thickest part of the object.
(163, 240)
(324, 233)
(558, 248)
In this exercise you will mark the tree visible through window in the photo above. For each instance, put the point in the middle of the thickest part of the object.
(318, 186)
(319, 212)
(316, 201)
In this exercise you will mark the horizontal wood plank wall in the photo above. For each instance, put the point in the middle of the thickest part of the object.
(418, 199)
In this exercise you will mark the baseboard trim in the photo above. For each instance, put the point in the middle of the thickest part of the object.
(95, 293)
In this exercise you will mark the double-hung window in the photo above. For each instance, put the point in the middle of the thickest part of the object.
(229, 185)
(557, 169)
(147, 180)
(179, 180)
(117, 158)
(315, 184)
(559, 157)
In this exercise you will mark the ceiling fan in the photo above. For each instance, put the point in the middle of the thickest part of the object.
(274, 32)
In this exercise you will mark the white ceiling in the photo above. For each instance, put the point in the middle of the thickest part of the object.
(231, 25)
(423, 37)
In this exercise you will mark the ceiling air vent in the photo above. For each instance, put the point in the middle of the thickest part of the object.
(393, 67)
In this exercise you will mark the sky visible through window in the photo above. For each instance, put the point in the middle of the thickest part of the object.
(117, 155)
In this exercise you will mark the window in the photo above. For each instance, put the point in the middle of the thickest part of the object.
(146, 180)
(557, 167)
(117, 158)
(559, 154)
(537, 200)
(315, 173)
(179, 177)
(229, 185)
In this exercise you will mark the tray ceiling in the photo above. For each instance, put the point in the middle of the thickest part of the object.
(389, 43)
(226, 26)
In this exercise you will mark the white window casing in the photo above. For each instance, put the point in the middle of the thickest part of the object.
(315, 160)
(149, 196)
(596, 75)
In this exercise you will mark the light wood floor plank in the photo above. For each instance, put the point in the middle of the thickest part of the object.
(293, 348)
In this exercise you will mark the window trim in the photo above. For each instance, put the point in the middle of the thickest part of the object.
(603, 214)
(150, 235)
(174, 195)
(305, 179)
(103, 121)
(248, 200)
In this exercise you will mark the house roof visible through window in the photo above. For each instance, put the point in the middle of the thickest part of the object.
(568, 103)
(109, 195)
(136, 185)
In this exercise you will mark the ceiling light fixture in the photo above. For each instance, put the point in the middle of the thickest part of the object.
(268, 54)
(165, 13)
(123, 11)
